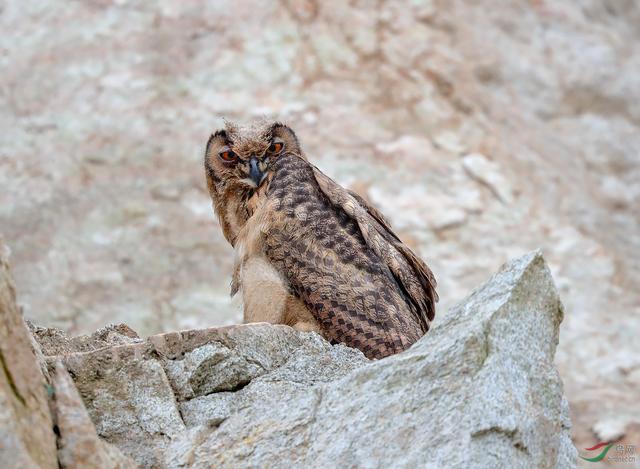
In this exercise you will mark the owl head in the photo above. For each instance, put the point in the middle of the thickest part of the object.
(238, 161)
(242, 157)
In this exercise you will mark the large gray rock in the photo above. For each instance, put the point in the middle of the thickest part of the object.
(26, 429)
(147, 396)
(480, 390)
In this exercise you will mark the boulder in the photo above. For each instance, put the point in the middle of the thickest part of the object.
(78, 442)
(26, 429)
(480, 390)
(146, 396)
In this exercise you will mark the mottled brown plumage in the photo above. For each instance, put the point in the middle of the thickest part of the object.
(310, 253)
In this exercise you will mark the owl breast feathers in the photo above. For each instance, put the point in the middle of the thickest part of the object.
(310, 253)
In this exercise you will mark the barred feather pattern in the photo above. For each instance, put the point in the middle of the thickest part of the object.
(338, 253)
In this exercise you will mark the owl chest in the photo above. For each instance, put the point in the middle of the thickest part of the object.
(266, 297)
(264, 289)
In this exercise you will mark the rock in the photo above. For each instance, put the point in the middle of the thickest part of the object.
(480, 390)
(143, 396)
(79, 445)
(128, 398)
(36, 348)
(26, 430)
(56, 342)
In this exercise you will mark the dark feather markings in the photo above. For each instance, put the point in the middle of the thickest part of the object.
(413, 276)
(425, 304)
(341, 257)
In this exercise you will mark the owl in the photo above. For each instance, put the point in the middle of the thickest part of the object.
(310, 253)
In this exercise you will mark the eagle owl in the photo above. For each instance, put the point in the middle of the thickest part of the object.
(309, 253)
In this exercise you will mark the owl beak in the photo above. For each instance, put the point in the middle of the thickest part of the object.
(254, 171)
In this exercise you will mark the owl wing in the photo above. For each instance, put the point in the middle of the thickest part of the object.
(414, 276)
(340, 256)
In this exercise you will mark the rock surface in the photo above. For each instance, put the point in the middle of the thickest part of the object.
(26, 428)
(78, 443)
(54, 341)
(145, 396)
(480, 390)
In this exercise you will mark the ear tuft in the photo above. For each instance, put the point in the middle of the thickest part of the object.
(218, 134)
(279, 125)
(283, 130)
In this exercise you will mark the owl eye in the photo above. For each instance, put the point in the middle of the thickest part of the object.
(227, 155)
(276, 147)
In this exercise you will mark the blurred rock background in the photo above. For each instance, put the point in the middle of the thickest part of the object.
(482, 129)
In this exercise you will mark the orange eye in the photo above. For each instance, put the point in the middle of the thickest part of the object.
(227, 155)
(276, 147)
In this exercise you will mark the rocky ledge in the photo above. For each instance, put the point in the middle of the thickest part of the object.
(480, 390)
